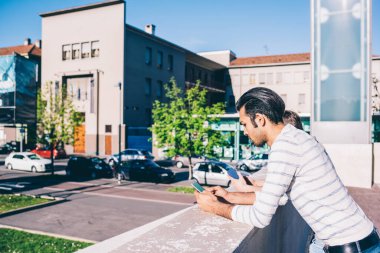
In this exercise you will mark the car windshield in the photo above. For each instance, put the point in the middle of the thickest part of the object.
(151, 164)
(147, 153)
(225, 166)
(34, 157)
(259, 156)
(97, 160)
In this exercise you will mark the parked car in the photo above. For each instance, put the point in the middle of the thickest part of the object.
(254, 163)
(130, 154)
(27, 161)
(181, 161)
(144, 170)
(213, 173)
(6, 148)
(45, 152)
(87, 166)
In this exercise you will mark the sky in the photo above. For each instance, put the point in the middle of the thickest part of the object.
(247, 27)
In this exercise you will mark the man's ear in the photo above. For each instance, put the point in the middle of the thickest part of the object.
(260, 119)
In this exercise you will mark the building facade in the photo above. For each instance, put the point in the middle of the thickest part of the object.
(115, 71)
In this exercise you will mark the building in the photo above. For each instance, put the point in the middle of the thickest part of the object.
(115, 71)
(290, 76)
(19, 81)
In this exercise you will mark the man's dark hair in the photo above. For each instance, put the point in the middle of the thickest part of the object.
(264, 101)
(292, 118)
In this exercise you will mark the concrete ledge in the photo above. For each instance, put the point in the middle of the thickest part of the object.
(192, 230)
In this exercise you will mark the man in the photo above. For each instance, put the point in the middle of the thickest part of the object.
(300, 167)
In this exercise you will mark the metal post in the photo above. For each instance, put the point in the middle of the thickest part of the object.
(120, 121)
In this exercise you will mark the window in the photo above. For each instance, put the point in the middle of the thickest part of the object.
(148, 113)
(206, 79)
(301, 99)
(148, 55)
(108, 128)
(76, 51)
(170, 62)
(78, 94)
(284, 97)
(269, 78)
(66, 52)
(216, 169)
(245, 79)
(287, 77)
(252, 79)
(86, 50)
(203, 167)
(306, 76)
(262, 78)
(95, 48)
(160, 88)
(160, 59)
(148, 86)
(298, 77)
(199, 75)
(278, 77)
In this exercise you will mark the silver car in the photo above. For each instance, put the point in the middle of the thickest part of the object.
(213, 173)
(130, 154)
(254, 163)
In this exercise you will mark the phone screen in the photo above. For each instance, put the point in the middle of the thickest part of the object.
(197, 186)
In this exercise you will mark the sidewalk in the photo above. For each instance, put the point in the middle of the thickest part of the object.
(369, 201)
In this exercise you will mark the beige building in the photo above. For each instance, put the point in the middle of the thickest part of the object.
(115, 71)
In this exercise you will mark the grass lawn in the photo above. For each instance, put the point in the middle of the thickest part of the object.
(182, 189)
(10, 202)
(14, 241)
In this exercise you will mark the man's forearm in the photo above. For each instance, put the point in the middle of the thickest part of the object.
(223, 209)
(241, 198)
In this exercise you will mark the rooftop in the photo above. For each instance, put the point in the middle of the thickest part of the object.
(271, 59)
(22, 50)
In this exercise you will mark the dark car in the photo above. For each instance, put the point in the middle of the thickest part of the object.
(144, 170)
(7, 148)
(88, 166)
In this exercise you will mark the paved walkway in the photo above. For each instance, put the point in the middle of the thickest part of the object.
(369, 201)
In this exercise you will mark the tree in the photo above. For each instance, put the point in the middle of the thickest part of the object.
(56, 116)
(183, 124)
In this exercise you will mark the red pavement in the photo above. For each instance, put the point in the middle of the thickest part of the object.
(369, 201)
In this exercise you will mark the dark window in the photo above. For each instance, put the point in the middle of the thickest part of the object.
(66, 52)
(160, 88)
(199, 75)
(216, 169)
(170, 62)
(231, 100)
(76, 51)
(95, 49)
(206, 79)
(148, 55)
(108, 128)
(203, 167)
(148, 86)
(148, 113)
(160, 59)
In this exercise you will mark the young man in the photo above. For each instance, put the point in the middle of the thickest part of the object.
(300, 167)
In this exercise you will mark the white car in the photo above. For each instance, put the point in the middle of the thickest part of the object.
(27, 161)
(213, 173)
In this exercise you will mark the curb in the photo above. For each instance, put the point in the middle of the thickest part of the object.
(72, 238)
(55, 200)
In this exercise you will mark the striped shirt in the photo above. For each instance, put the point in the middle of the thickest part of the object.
(300, 167)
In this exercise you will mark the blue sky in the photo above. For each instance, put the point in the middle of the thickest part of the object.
(247, 27)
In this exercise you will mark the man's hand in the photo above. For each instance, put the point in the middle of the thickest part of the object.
(208, 202)
(218, 191)
(241, 184)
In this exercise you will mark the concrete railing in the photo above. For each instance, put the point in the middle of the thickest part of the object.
(192, 230)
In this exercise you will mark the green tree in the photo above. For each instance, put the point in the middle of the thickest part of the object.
(183, 123)
(56, 116)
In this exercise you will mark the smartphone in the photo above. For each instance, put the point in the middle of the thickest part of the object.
(233, 173)
(197, 186)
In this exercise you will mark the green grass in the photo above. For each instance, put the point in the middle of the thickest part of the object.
(10, 202)
(182, 189)
(14, 241)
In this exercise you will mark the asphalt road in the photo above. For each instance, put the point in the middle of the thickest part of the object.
(95, 209)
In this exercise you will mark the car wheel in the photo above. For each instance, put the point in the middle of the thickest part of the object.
(34, 169)
(179, 164)
(93, 175)
(9, 166)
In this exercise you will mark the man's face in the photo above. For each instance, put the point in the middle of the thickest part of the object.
(254, 133)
